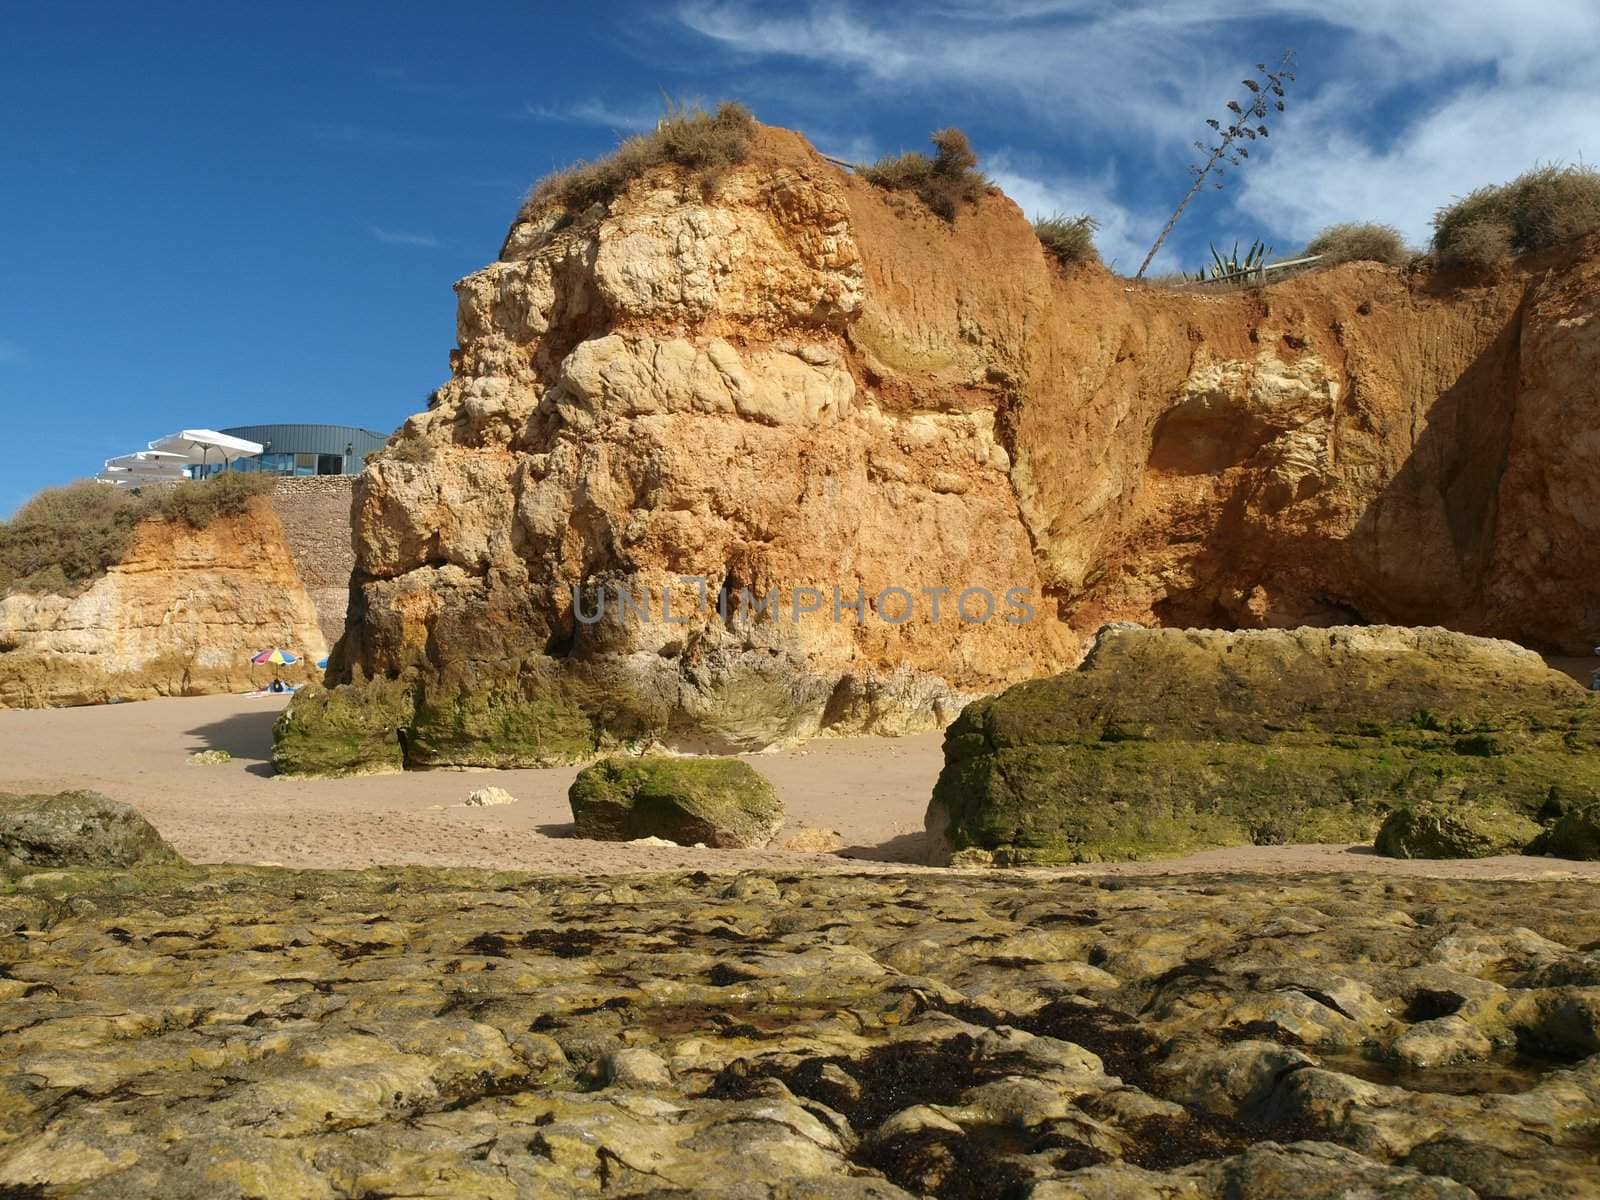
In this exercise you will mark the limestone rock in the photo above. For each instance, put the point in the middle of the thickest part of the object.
(1455, 831)
(795, 381)
(485, 797)
(720, 802)
(229, 1030)
(812, 840)
(77, 829)
(352, 730)
(179, 616)
(1169, 740)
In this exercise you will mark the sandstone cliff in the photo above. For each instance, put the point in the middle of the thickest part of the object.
(798, 381)
(180, 615)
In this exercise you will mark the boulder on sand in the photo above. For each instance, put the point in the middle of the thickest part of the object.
(76, 829)
(1166, 741)
(1454, 831)
(720, 802)
(1574, 834)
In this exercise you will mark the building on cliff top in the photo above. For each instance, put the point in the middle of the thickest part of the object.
(303, 449)
(273, 449)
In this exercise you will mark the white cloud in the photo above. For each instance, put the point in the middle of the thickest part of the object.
(392, 238)
(1079, 69)
(9, 351)
(633, 119)
(1322, 173)
(1503, 84)
(1124, 236)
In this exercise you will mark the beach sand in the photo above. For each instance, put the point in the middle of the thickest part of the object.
(873, 791)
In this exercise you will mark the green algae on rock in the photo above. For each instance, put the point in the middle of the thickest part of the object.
(1166, 741)
(76, 829)
(356, 729)
(1455, 831)
(535, 713)
(1574, 834)
(200, 1033)
(720, 802)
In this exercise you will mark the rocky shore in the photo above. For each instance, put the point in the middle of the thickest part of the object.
(219, 1032)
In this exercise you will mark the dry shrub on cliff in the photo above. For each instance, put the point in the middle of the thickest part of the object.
(65, 537)
(1538, 209)
(202, 501)
(1069, 240)
(1360, 242)
(944, 182)
(688, 136)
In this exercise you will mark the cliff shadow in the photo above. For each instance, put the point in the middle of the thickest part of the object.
(1428, 535)
(1417, 552)
(246, 736)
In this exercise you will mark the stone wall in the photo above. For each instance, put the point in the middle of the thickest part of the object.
(315, 511)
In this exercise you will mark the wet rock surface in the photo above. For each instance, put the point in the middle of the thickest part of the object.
(185, 1032)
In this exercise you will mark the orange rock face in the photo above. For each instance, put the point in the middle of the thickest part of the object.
(802, 382)
(180, 615)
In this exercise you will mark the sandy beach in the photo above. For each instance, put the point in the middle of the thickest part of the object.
(873, 791)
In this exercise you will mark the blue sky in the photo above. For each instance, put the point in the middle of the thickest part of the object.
(228, 214)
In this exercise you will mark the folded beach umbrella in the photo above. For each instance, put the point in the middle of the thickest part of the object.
(275, 656)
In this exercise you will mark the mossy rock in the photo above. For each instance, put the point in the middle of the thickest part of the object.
(720, 802)
(1575, 834)
(1454, 831)
(530, 715)
(1169, 741)
(77, 829)
(352, 729)
(547, 714)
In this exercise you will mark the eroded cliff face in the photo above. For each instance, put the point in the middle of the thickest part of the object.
(180, 615)
(800, 382)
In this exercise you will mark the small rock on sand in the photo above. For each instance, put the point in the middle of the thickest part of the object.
(486, 796)
(812, 840)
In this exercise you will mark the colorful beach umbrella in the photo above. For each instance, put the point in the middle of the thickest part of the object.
(275, 656)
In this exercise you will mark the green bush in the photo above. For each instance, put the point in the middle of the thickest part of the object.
(66, 537)
(944, 182)
(199, 502)
(1069, 239)
(687, 136)
(1538, 209)
(1360, 242)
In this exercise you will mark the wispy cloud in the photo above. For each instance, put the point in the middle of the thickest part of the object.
(1324, 172)
(10, 352)
(393, 238)
(1076, 68)
(1385, 122)
(1124, 233)
(632, 118)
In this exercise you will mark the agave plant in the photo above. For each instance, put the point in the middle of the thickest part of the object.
(1221, 267)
